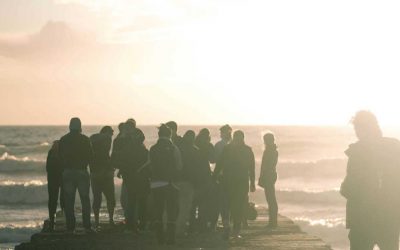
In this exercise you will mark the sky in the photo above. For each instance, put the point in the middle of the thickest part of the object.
(288, 62)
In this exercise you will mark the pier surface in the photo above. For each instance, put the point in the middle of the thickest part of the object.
(287, 236)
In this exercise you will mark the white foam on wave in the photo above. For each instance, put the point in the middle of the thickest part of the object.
(22, 183)
(6, 156)
(325, 222)
(11, 164)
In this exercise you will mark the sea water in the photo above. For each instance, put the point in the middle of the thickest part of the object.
(311, 167)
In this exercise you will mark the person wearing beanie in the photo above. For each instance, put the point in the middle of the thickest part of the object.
(76, 153)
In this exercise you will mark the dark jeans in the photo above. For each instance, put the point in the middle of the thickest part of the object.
(103, 183)
(136, 204)
(73, 180)
(220, 206)
(237, 205)
(200, 207)
(269, 191)
(166, 199)
(124, 199)
(55, 190)
(366, 239)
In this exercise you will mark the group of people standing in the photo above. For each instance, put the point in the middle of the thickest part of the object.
(175, 176)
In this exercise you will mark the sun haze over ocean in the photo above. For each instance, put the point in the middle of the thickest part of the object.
(200, 62)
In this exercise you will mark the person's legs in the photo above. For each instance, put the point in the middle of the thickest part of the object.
(185, 205)
(69, 184)
(52, 188)
(61, 190)
(124, 199)
(84, 189)
(172, 203)
(272, 204)
(388, 238)
(159, 196)
(360, 240)
(97, 197)
(142, 210)
(225, 211)
(132, 196)
(109, 193)
(238, 199)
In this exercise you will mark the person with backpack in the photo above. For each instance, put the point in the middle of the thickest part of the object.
(165, 162)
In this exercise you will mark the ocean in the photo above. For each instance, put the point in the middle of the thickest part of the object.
(310, 169)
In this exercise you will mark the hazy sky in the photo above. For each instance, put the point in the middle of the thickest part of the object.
(198, 61)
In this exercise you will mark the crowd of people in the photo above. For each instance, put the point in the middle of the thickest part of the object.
(174, 177)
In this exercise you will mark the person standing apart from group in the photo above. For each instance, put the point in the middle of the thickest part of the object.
(372, 187)
(76, 154)
(268, 177)
(102, 173)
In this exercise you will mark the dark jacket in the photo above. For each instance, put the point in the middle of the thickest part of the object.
(371, 185)
(203, 174)
(269, 161)
(190, 160)
(54, 165)
(163, 161)
(75, 151)
(237, 165)
(101, 145)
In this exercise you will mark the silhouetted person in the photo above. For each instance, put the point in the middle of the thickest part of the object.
(116, 163)
(139, 183)
(218, 195)
(129, 155)
(238, 171)
(203, 187)
(372, 187)
(187, 179)
(165, 165)
(268, 177)
(54, 169)
(102, 173)
(76, 154)
(176, 139)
